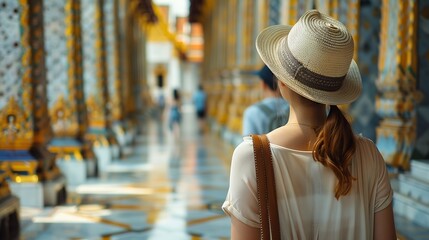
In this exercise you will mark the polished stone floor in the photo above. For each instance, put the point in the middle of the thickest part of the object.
(163, 189)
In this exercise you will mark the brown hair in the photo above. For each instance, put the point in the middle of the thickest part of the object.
(334, 148)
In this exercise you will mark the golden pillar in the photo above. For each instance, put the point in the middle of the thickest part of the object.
(396, 102)
(93, 65)
(64, 77)
(16, 108)
(110, 10)
(43, 133)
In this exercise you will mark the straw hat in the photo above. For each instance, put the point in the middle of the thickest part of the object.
(314, 58)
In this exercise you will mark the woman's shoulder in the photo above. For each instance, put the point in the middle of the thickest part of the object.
(242, 158)
(244, 150)
(368, 152)
(245, 147)
(364, 142)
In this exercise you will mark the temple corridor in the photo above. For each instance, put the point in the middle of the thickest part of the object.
(87, 88)
(161, 189)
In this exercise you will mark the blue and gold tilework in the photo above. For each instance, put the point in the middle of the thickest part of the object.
(365, 118)
(111, 38)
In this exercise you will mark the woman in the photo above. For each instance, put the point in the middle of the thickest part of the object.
(175, 116)
(331, 184)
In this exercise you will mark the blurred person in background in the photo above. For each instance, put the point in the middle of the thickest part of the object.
(175, 114)
(269, 113)
(199, 100)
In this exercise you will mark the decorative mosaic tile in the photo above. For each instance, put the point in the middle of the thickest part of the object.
(10, 51)
(343, 7)
(89, 38)
(109, 33)
(274, 15)
(363, 109)
(55, 50)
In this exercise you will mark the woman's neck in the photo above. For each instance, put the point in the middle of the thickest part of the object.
(313, 115)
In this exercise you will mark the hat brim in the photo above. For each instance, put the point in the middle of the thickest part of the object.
(267, 45)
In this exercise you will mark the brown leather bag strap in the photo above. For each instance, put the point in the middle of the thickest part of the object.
(272, 194)
(266, 189)
(261, 185)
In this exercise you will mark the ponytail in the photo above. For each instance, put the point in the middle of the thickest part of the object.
(334, 148)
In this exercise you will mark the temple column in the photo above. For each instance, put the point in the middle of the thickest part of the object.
(219, 75)
(396, 101)
(25, 123)
(211, 53)
(229, 71)
(49, 173)
(209, 60)
(251, 82)
(402, 135)
(138, 44)
(209, 57)
(130, 106)
(363, 110)
(61, 73)
(141, 92)
(114, 84)
(16, 128)
(240, 80)
(247, 61)
(123, 15)
(16, 117)
(144, 96)
(96, 83)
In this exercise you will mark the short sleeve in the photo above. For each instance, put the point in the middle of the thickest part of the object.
(241, 200)
(384, 193)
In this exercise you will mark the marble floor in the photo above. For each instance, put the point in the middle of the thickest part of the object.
(162, 189)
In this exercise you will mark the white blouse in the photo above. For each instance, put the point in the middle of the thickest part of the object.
(305, 192)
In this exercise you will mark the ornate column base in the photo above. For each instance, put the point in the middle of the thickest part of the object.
(124, 137)
(50, 176)
(104, 152)
(69, 159)
(20, 169)
(395, 140)
(54, 191)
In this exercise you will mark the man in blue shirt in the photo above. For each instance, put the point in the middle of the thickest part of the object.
(199, 100)
(271, 112)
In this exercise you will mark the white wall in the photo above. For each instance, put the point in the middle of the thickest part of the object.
(159, 52)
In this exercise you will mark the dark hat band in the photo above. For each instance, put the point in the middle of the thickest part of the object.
(305, 76)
